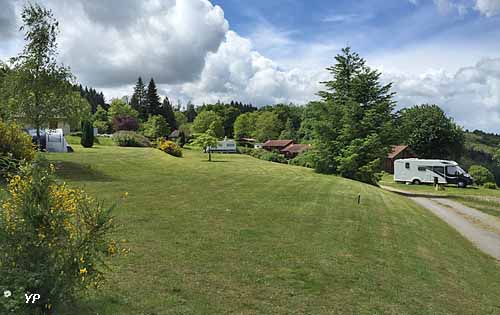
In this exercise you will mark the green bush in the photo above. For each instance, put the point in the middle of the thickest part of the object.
(170, 147)
(156, 127)
(15, 146)
(15, 142)
(54, 241)
(270, 156)
(481, 174)
(273, 157)
(130, 139)
(87, 135)
(307, 159)
(490, 185)
(103, 127)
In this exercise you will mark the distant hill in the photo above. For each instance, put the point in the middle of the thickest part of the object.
(480, 149)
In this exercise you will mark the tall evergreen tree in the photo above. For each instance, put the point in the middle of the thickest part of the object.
(167, 112)
(190, 112)
(353, 125)
(152, 100)
(138, 100)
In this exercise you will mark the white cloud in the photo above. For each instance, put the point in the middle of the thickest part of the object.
(471, 95)
(237, 72)
(488, 7)
(109, 43)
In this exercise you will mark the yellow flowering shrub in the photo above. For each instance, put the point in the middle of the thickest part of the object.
(54, 241)
(170, 147)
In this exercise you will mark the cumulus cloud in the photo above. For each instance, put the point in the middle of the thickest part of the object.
(488, 7)
(236, 71)
(471, 95)
(7, 21)
(111, 43)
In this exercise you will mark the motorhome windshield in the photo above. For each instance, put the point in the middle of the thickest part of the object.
(460, 170)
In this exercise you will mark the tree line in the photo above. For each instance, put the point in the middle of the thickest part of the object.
(352, 126)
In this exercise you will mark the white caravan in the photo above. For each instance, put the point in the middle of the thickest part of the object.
(417, 171)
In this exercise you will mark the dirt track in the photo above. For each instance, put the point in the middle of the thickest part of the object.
(480, 228)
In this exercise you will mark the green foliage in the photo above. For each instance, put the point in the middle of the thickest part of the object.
(490, 185)
(130, 139)
(267, 126)
(270, 156)
(87, 135)
(170, 147)
(14, 142)
(152, 101)
(101, 120)
(119, 108)
(206, 141)
(139, 100)
(430, 133)
(481, 174)
(289, 132)
(54, 241)
(244, 126)
(167, 112)
(156, 127)
(180, 118)
(307, 159)
(353, 125)
(38, 89)
(209, 120)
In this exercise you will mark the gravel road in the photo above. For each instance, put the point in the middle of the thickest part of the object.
(481, 229)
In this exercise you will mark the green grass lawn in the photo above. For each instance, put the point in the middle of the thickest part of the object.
(486, 200)
(103, 141)
(450, 190)
(245, 236)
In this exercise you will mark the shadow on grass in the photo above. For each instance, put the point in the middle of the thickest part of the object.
(216, 161)
(80, 172)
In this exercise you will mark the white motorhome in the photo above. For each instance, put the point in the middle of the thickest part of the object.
(224, 146)
(417, 171)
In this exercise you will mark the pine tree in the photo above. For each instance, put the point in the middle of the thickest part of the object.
(167, 112)
(190, 112)
(353, 125)
(152, 100)
(138, 101)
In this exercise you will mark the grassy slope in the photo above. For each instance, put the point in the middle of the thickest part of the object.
(244, 236)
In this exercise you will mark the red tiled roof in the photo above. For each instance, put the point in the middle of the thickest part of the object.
(396, 149)
(296, 148)
(277, 143)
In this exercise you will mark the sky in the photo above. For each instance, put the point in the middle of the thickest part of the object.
(445, 52)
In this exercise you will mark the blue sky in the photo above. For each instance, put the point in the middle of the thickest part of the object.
(445, 52)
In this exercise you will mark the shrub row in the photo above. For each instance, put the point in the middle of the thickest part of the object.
(130, 139)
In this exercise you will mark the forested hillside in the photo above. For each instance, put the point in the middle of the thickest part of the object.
(482, 149)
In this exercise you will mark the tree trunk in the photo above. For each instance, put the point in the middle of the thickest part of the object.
(209, 155)
(38, 140)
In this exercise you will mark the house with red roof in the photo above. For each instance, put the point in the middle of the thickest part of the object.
(295, 149)
(276, 145)
(397, 152)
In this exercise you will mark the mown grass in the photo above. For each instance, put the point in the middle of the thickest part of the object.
(450, 190)
(485, 200)
(245, 236)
